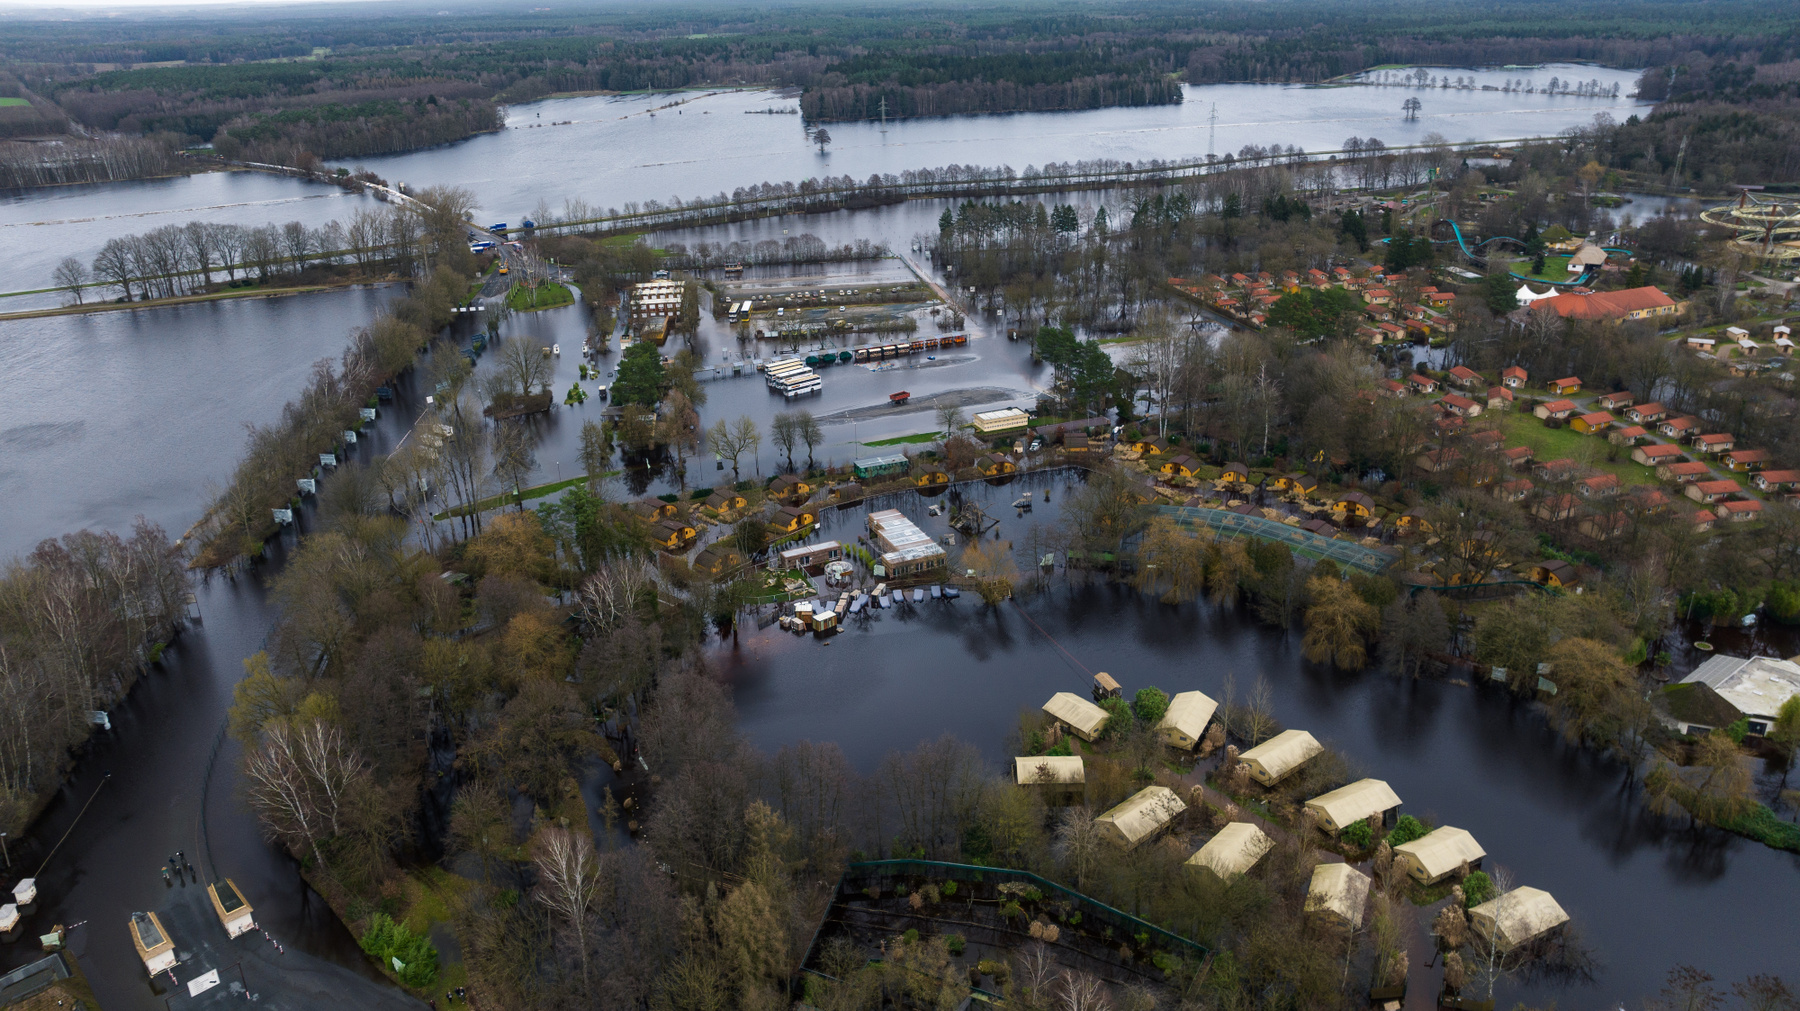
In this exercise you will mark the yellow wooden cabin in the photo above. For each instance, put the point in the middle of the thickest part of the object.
(1413, 519)
(1151, 447)
(933, 477)
(653, 509)
(995, 465)
(1179, 465)
(1299, 484)
(1235, 473)
(725, 501)
(1355, 505)
(787, 486)
(792, 519)
(717, 559)
(673, 534)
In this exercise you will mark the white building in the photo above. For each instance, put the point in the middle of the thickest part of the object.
(1755, 686)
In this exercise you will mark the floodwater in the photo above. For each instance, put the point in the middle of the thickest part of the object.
(1644, 893)
(113, 415)
(144, 784)
(716, 141)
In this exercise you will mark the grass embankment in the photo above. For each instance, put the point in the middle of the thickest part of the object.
(548, 295)
(1522, 428)
(216, 296)
(904, 440)
(12, 103)
(510, 498)
(1765, 827)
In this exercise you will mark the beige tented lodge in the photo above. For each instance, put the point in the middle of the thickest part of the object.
(1186, 720)
(1347, 805)
(1441, 853)
(1050, 770)
(1338, 892)
(1279, 755)
(1141, 816)
(1236, 849)
(1078, 714)
(1521, 915)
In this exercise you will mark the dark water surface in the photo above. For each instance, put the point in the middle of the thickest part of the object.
(166, 733)
(111, 415)
(1645, 893)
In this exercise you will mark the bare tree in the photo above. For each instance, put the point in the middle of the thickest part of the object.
(809, 432)
(949, 419)
(568, 881)
(280, 791)
(70, 276)
(731, 440)
(784, 432)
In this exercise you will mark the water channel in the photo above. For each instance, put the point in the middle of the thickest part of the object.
(123, 413)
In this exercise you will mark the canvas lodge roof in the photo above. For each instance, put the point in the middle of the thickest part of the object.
(1050, 770)
(1517, 917)
(1347, 805)
(1339, 890)
(1439, 853)
(1236, 849)
(1081, 716)
(1280, 755)
(1186, 718)
(1141, 815)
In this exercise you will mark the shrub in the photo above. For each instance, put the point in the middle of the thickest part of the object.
(1150, 704)
(956, 944)
(1165, 961)
(911, 936)
(947, 889)
(1406, 830)
(1119, 718)
(1358, 835)
(1477, 888)
(1738, 730)
(388, 940)
(1011, 908)
(1061, 749)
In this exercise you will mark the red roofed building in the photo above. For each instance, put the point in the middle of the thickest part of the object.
(1610, 306)
(1712, 491)
(1514, 376)
(1652, 455)
(1595, 422)
(1464, 376)
(1739, 512)
(1460, 406)
(1558, 409)
(1684, 472)
(1774, 480)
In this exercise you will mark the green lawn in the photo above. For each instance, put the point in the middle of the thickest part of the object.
(1522, 428)
(548, 295)
(1556, 268)
(9, 103)
(508, 498)
(904, 440)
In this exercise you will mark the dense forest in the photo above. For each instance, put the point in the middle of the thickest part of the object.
(297, 85)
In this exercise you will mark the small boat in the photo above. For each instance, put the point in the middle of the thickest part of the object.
(931, 358)
(952, 592)
(935, 591)
(899, 398)
(918, 595)
(556, 349)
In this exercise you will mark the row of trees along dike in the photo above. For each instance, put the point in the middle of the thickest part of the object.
(240, 517)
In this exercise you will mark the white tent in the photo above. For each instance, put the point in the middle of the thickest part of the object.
(1526, 296)
(1077, 713)
(1348, 805)
(1186, 720)
(1519, 916)
(1280, 755)
(1141, 816)
(1049, 770)
(1440, 853)
(1339, 891)
(1236, 849)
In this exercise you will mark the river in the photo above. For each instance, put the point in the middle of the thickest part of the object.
(153, 404)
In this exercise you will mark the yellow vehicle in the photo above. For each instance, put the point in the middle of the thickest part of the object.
(503, 268)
